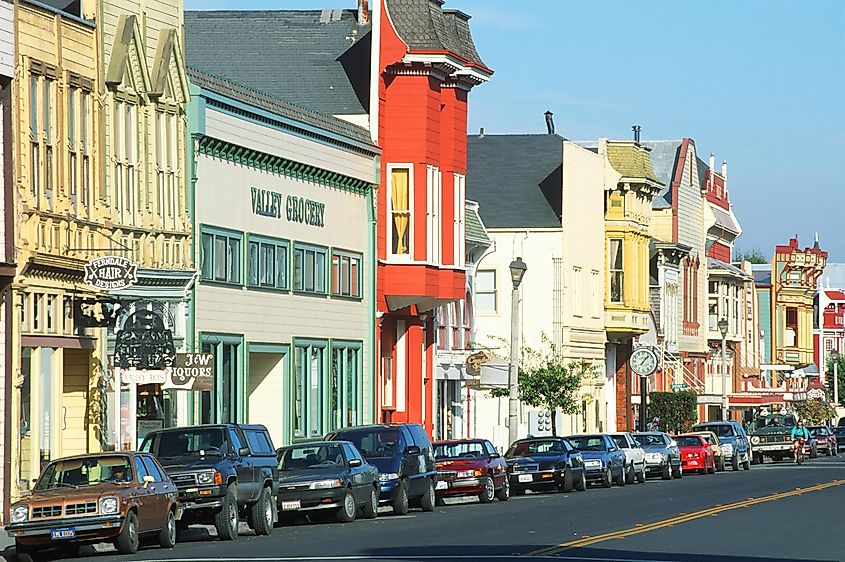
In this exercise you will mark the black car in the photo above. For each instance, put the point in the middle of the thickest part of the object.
(839, 432)
(405, 461)
(544, 464)
(604, 461)
(326, 475)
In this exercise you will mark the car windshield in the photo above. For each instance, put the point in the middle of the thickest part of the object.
(722, 430)
(588, 443)
(374, 443)
(75, 473)
(818, 430)
(306, 457)
(620, 441)
(775, 421)
(539, 447)
(649, 440)
(191, 442)
(711, 439)
(688, 441)
(459, 450)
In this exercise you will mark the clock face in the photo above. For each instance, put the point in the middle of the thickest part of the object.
(643, 361)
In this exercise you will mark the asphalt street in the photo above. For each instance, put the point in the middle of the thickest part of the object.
(773, 512)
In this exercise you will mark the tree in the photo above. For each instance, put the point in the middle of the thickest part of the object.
(677, 410)
(815, 411)
(753, 256)
(550, 382)
(838, 360)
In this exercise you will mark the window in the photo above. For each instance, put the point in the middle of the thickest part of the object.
(34, 163)
(226, 403)
(345, 406)
(268, 263)
(221, 256)
(455, 323)
(485, 290)
(346, 274)
(387, 381)
(83, 142)
(309, 269)
(140, 469)
(48, 142)
(442, 327)
(401, 220)
(308, 377)
(828, 344)
(577, 294)
(789, 336)
(258, 441)
(459, 220)
(50, 316)
(434, 184)
(616, 271)
(153, 469)
(595, 300)
(466, 320)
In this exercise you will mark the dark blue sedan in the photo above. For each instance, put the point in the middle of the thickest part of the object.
(604, 462)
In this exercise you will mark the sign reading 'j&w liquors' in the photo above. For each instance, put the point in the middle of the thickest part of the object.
(111, 273)
(272, 204)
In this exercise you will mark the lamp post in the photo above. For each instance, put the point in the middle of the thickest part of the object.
(518, 269)
(723, 329)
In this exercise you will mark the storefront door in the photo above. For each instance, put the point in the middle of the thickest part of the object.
(226, 404)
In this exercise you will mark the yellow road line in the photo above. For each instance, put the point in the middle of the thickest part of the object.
(683, 518)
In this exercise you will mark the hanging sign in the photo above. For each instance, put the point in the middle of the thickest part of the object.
(110, 273)
(144, 343)
(191, 371)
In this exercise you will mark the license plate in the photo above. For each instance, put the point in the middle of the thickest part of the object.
(62, 534)
(291, 505)
(525, 478)
(441, 485)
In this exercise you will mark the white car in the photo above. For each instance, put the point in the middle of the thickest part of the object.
(634, 457)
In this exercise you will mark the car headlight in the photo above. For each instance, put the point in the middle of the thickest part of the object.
(388, 476)
(728, 448)
(755, 439)
(108, 506)
(325, 484)
(468, 473)
(205, 477)
(20, 514)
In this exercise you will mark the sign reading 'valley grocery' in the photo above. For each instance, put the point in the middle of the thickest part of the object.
(296, 209)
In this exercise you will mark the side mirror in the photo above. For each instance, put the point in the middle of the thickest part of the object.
(494, 456)
(243, 452)
(354, 463)
(412, 450)
(148, 479)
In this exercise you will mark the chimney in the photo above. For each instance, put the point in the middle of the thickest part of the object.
(712, 162)
(550, 122)
(725, 169)
(636, 129)
(363, 12)
(481, 133)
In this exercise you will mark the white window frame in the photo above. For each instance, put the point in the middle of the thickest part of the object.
(495, 292)
(391, 256)
(460, 220)
(434, 211)
(577, 292)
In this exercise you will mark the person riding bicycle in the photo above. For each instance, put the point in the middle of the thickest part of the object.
(799, 436)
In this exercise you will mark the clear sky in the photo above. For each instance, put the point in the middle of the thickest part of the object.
(759, 83)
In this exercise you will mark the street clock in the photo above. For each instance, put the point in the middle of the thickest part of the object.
(643, 361)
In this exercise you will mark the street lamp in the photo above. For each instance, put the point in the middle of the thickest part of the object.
(518, 269)
(723, 329)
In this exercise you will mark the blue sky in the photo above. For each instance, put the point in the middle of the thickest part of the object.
(759, 83)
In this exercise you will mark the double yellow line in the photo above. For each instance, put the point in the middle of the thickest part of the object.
(683, 518)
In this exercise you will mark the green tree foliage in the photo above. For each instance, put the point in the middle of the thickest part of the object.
(677, 411)
(815, 411)
(753, 256)
(838, 360)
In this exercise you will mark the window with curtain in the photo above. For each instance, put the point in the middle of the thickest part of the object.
(400, 211)
(615, 270)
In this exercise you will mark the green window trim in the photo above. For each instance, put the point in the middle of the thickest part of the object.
(346, 264)
(345, 389)
(215, 240)
(227, 402)
(262, 250)
(308, 381)
(310, 269)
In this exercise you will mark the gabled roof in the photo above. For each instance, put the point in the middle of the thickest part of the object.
(475, 231)
(714, 265)
(725, 219)
(516, 179)
(315, 59)
(664, 158)
(631, 161)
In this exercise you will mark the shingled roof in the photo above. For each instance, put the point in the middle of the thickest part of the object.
(664, 158)
(315, 59)
(516, 179)
(631, 161)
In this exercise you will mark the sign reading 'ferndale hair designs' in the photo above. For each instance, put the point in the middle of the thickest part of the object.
(296, 209)
(111, 273)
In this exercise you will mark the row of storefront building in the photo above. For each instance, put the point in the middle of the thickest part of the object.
(291, 197)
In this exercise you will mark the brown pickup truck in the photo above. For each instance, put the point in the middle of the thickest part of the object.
(106, 497)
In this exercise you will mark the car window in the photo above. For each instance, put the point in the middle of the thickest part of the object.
(538, 447)
(374, 443)
(621, 441)
(650, 440)
(722, 430)
(141, 469)
(352, 453)
(491, 450)
(310, 457)
(153, 470)
(259, 443)
(75, 473)
(235, 439)
(460, 450)
(147, 445)
(420, 437)
(191, 442)
(688, 441)
(588, 442)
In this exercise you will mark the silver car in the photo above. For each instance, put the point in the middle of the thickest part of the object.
(634, 454)
(662, 455)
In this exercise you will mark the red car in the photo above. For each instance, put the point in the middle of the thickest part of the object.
(696, 454)
(470, 467)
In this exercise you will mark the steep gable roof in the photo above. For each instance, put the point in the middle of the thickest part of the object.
(315, 59)
(664, 159)
(516, 179)
(631, 161)
(127, 57)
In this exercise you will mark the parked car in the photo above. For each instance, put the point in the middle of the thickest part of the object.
(223, 472)
(544, 464)
(662, 455)
(772, 437)
(326, 475)
(696, 454)
(86, 499)
(716, 446)
(405, 460)
(735, 442)
(470, 467)
(839, 432)
(825, 439)
(634, 454)
(604, 462)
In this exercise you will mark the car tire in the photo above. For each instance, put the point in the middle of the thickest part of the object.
(581, 485)
(127, 540)
(607, 479)
(746, 464)
(630, 474)
(427, 500)
(370, 509)
(641, 475)
(814, 453)
(262, 514)
(735, 462)
(227, 519)
(621, 479)
(489, 492)
(25, 553)
(567, 484)
(400, 502)
(517, 491)
(678, 472)
(167, 535)
(666, 474)
(504, 492)
(347, 510)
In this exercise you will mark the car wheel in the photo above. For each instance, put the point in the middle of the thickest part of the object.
(25, 553)
(678, 472)
(607, 479)
(226, 520)
(641, 475)
(400, 502)
(489, 491)
(621, 480)
(347, 511)
(427, 501)
(167, 535)
(630, 474)
(666, 474)
(262, 513)
(127, 540)
(746, 464)
(581, 485)
(735, 462)
(567, 484)
(504, 492)
(371, 507)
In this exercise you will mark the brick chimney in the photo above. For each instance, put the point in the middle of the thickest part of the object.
(364, 12)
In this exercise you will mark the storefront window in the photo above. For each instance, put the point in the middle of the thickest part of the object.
(344, 410)
(25, 469)
(346, 274)
(309, 375)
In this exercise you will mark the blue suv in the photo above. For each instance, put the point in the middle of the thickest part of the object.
(736, 447)
(405, 459)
